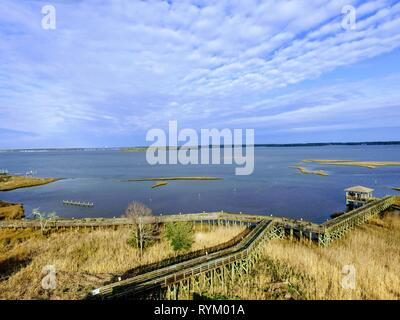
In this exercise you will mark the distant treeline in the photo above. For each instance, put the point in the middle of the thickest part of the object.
(144, 148)
(313, 144)
(59, 149)
(321, 144)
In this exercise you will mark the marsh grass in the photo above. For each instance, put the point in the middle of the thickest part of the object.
(11, 211)
(159, 184)
(317, 172)
(287, 270)
(366, 164)
(83, 259)
(298, 270)
(16, 182)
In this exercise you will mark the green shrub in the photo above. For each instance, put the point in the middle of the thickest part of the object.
(180, 235)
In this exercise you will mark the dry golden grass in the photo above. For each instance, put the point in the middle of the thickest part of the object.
(297, 270)
(83, 260)
(16, 182)
(294, 270)
(11, 211)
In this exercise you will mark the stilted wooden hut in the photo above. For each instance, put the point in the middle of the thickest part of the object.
(357, 196)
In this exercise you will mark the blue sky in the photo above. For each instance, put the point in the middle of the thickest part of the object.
(112, 70)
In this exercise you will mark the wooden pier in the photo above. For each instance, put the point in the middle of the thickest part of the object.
(78, 203)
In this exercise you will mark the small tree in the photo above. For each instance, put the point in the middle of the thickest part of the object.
(143, 225)
(44, 218)
(180, 235)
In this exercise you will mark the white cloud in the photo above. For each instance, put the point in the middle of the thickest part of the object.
(133, 65)
(360, 104)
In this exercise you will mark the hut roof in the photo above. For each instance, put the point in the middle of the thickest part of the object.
(360, 189)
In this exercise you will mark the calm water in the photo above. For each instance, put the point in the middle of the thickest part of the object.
(273, 188)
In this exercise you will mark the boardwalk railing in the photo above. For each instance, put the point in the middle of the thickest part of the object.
(213, 218)
(334, 229)
(324, 233)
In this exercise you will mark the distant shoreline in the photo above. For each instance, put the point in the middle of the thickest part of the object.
(273, 145)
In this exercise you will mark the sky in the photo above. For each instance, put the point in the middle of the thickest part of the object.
(111, 71)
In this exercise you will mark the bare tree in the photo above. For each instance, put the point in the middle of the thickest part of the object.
(143, 224)
(44, 218)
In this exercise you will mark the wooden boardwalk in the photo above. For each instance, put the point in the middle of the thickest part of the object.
(229, 262)
(228, 265)
(331, 229)
(199, 272)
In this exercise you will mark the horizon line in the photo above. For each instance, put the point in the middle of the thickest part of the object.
(311, 144)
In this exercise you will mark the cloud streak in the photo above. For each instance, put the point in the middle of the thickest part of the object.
(111, 70)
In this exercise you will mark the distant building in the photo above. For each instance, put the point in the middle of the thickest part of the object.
(357, 196)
